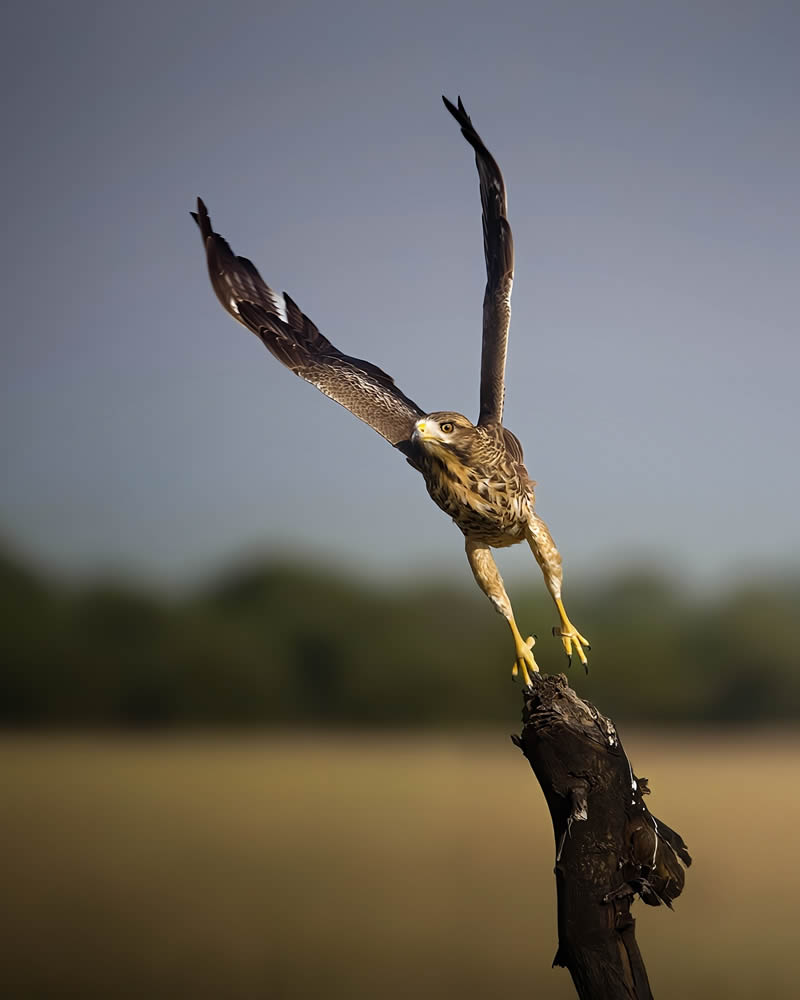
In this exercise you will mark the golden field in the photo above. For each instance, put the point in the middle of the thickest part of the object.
(368, 865)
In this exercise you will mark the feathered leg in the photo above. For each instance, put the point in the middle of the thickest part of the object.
(549, 559)
(487, 575)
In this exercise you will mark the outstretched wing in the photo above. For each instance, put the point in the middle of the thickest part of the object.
(359, 386)
(498, 248)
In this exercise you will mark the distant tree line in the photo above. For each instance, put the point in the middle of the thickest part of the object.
(273, 643)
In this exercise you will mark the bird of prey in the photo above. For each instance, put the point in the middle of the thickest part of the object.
(473, 472)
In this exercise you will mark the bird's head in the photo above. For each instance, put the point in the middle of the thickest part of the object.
(444, 433)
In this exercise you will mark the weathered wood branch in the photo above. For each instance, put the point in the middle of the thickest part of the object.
(609, 847)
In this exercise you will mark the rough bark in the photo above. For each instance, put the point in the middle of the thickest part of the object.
(609, 847)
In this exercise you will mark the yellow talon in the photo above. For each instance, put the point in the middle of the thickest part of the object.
(569, 635)
(524, 660)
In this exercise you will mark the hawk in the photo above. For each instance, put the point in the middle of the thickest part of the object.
(473, 472)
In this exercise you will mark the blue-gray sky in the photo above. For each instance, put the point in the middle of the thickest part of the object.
(652, 158)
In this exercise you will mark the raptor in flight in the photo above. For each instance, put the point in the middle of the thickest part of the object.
(474, 472)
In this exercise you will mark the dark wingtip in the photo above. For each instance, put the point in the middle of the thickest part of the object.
(202, 219)
(459, 112)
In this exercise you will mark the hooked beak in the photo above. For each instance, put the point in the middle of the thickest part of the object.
(420, 431)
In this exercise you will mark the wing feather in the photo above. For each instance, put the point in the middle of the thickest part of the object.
(361, 387)
(498, 248)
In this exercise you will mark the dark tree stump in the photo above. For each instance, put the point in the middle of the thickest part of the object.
(609, 847)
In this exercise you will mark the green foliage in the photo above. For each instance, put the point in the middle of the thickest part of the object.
(274, 642)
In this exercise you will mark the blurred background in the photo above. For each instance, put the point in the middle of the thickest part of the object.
(255, 711)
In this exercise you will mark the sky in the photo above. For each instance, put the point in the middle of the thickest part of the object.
(651, 154)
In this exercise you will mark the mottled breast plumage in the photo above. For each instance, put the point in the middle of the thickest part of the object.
(480, 481)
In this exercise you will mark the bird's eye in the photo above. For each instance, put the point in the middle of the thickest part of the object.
(447, 427)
